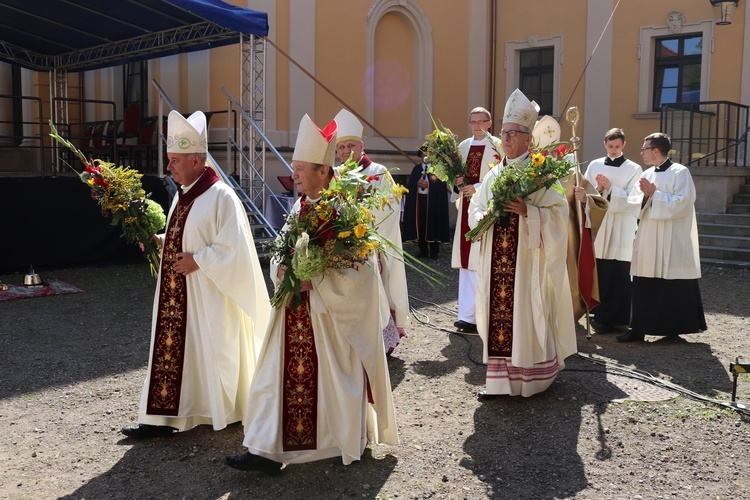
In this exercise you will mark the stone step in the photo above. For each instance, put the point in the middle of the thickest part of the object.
(735, 264)
(729, 242)
(745, 189)
(715, 252)
(728, 219)
(713, 229)
(738, 208)
(741, 198)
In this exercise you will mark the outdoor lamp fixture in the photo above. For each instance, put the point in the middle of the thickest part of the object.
(724, 10)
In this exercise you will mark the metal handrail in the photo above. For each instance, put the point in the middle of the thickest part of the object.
(244, 198)
(233, 103)
(25, 122)
(707, 129)
(113, 147)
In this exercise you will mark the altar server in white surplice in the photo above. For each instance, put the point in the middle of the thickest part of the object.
(666, 263)
(524, 306)
(322, 388)
(614, 177)
(211, 307)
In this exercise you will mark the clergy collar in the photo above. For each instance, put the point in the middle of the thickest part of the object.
(477, 142)
(614, 158)
(364, 160)
(507, 160)
(309, 199)
(664, 166)
(207, 179)
(185, 189)
(614, 162)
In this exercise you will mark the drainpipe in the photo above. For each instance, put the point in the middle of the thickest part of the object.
(492, 53)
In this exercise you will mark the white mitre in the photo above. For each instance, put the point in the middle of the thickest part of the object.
(186, 135)
(350, 129)
(315, 145)
(546, 131)
(521, 111)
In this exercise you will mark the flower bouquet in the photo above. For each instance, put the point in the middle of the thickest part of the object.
(542, 171)
(119, 192)
(337, 232)
(442, 148)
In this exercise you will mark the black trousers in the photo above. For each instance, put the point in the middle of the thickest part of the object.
(614, 292)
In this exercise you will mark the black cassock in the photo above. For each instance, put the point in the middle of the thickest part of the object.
(426, 215)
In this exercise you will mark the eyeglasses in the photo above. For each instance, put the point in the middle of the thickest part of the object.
(650, 147)
(478, 122)
(510, 134)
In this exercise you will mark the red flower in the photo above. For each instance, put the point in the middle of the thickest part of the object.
(373, 178)
(561, 150)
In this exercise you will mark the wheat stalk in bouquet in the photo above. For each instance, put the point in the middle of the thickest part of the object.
(542, 171)
(120, 194)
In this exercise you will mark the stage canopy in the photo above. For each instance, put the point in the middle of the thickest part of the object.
(79, 35)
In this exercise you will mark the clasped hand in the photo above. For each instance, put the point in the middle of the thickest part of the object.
(517, 206)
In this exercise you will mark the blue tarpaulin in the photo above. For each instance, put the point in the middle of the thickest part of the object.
(78, 35)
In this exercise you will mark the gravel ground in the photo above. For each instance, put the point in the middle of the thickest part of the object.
(73, 365)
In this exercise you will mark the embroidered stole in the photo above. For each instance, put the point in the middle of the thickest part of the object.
(299, 400)
(502, 286)
(473, 170)
(165, 381)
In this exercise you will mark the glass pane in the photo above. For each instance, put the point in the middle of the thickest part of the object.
(691, 76)
(667, 77)
(693, 46)
(667, 96)
(690, 95)
(548, 57)
(668, 47)
(529, 58)
(530, 84)
(545, 104)
(547, 82)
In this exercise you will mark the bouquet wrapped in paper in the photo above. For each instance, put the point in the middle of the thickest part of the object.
(442, 148)
(542, 171)
(119, 192)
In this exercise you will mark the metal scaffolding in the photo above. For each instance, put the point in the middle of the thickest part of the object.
(252, 91)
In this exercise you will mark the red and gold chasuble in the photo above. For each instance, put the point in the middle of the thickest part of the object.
(473, 171)
(165, 380)
(502, 286)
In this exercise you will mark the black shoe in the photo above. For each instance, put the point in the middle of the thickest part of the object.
(483, 396)
(142, 431)
(249, 462)
(601, 327)
(465, 327)
(631, 336)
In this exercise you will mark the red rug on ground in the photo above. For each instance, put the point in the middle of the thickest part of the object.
(52, 286)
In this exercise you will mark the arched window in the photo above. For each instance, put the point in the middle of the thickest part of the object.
(387, 77)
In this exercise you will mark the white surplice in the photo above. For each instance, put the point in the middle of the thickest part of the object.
(227, 314)
(543, 324)
(666, 243)
(614, 240)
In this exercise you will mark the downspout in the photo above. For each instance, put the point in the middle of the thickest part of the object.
(492, 62)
